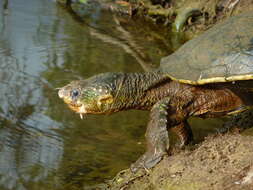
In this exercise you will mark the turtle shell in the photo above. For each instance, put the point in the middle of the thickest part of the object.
(221, 54)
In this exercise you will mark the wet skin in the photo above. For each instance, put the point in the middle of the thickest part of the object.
(170, 104)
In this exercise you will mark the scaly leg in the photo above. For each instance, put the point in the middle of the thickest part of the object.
(157, 137)
(163, 117)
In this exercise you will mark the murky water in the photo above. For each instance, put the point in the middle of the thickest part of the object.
(43, 145)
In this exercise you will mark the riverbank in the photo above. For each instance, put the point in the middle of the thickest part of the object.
(194, 16)
(221, 162)
(190, 17)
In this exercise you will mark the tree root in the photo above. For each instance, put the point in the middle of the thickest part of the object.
(182, 17)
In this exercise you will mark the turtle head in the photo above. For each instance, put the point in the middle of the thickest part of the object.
(95, 95)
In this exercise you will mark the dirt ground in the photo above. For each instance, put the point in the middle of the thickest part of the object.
(222, 162)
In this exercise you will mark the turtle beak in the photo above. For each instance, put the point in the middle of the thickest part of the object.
(61, 93)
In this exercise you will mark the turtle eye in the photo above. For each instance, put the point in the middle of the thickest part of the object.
(74, 93)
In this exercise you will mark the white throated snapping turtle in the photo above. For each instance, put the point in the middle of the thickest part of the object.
(209, 76)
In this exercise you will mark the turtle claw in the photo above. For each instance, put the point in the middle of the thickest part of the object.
(147, 161)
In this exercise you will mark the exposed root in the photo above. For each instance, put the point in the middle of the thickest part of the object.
(182, 17)
(156, 10)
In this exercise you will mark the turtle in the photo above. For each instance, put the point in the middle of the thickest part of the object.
(209, 76)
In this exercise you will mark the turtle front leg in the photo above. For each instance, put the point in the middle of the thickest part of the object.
(164, 116)
(156, 135)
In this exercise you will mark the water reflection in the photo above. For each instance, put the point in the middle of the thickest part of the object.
(30, 150)
(28, 143)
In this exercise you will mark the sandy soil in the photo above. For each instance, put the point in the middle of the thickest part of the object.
(218, 163)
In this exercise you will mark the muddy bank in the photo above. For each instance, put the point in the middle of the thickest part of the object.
(191, 17)
(194, 16)
(220, 163)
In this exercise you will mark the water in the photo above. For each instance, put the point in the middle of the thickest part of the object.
(44, 145)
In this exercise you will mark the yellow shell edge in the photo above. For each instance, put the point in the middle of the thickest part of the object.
(215, 79)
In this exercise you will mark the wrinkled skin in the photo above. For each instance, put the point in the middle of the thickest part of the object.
(170, 103)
